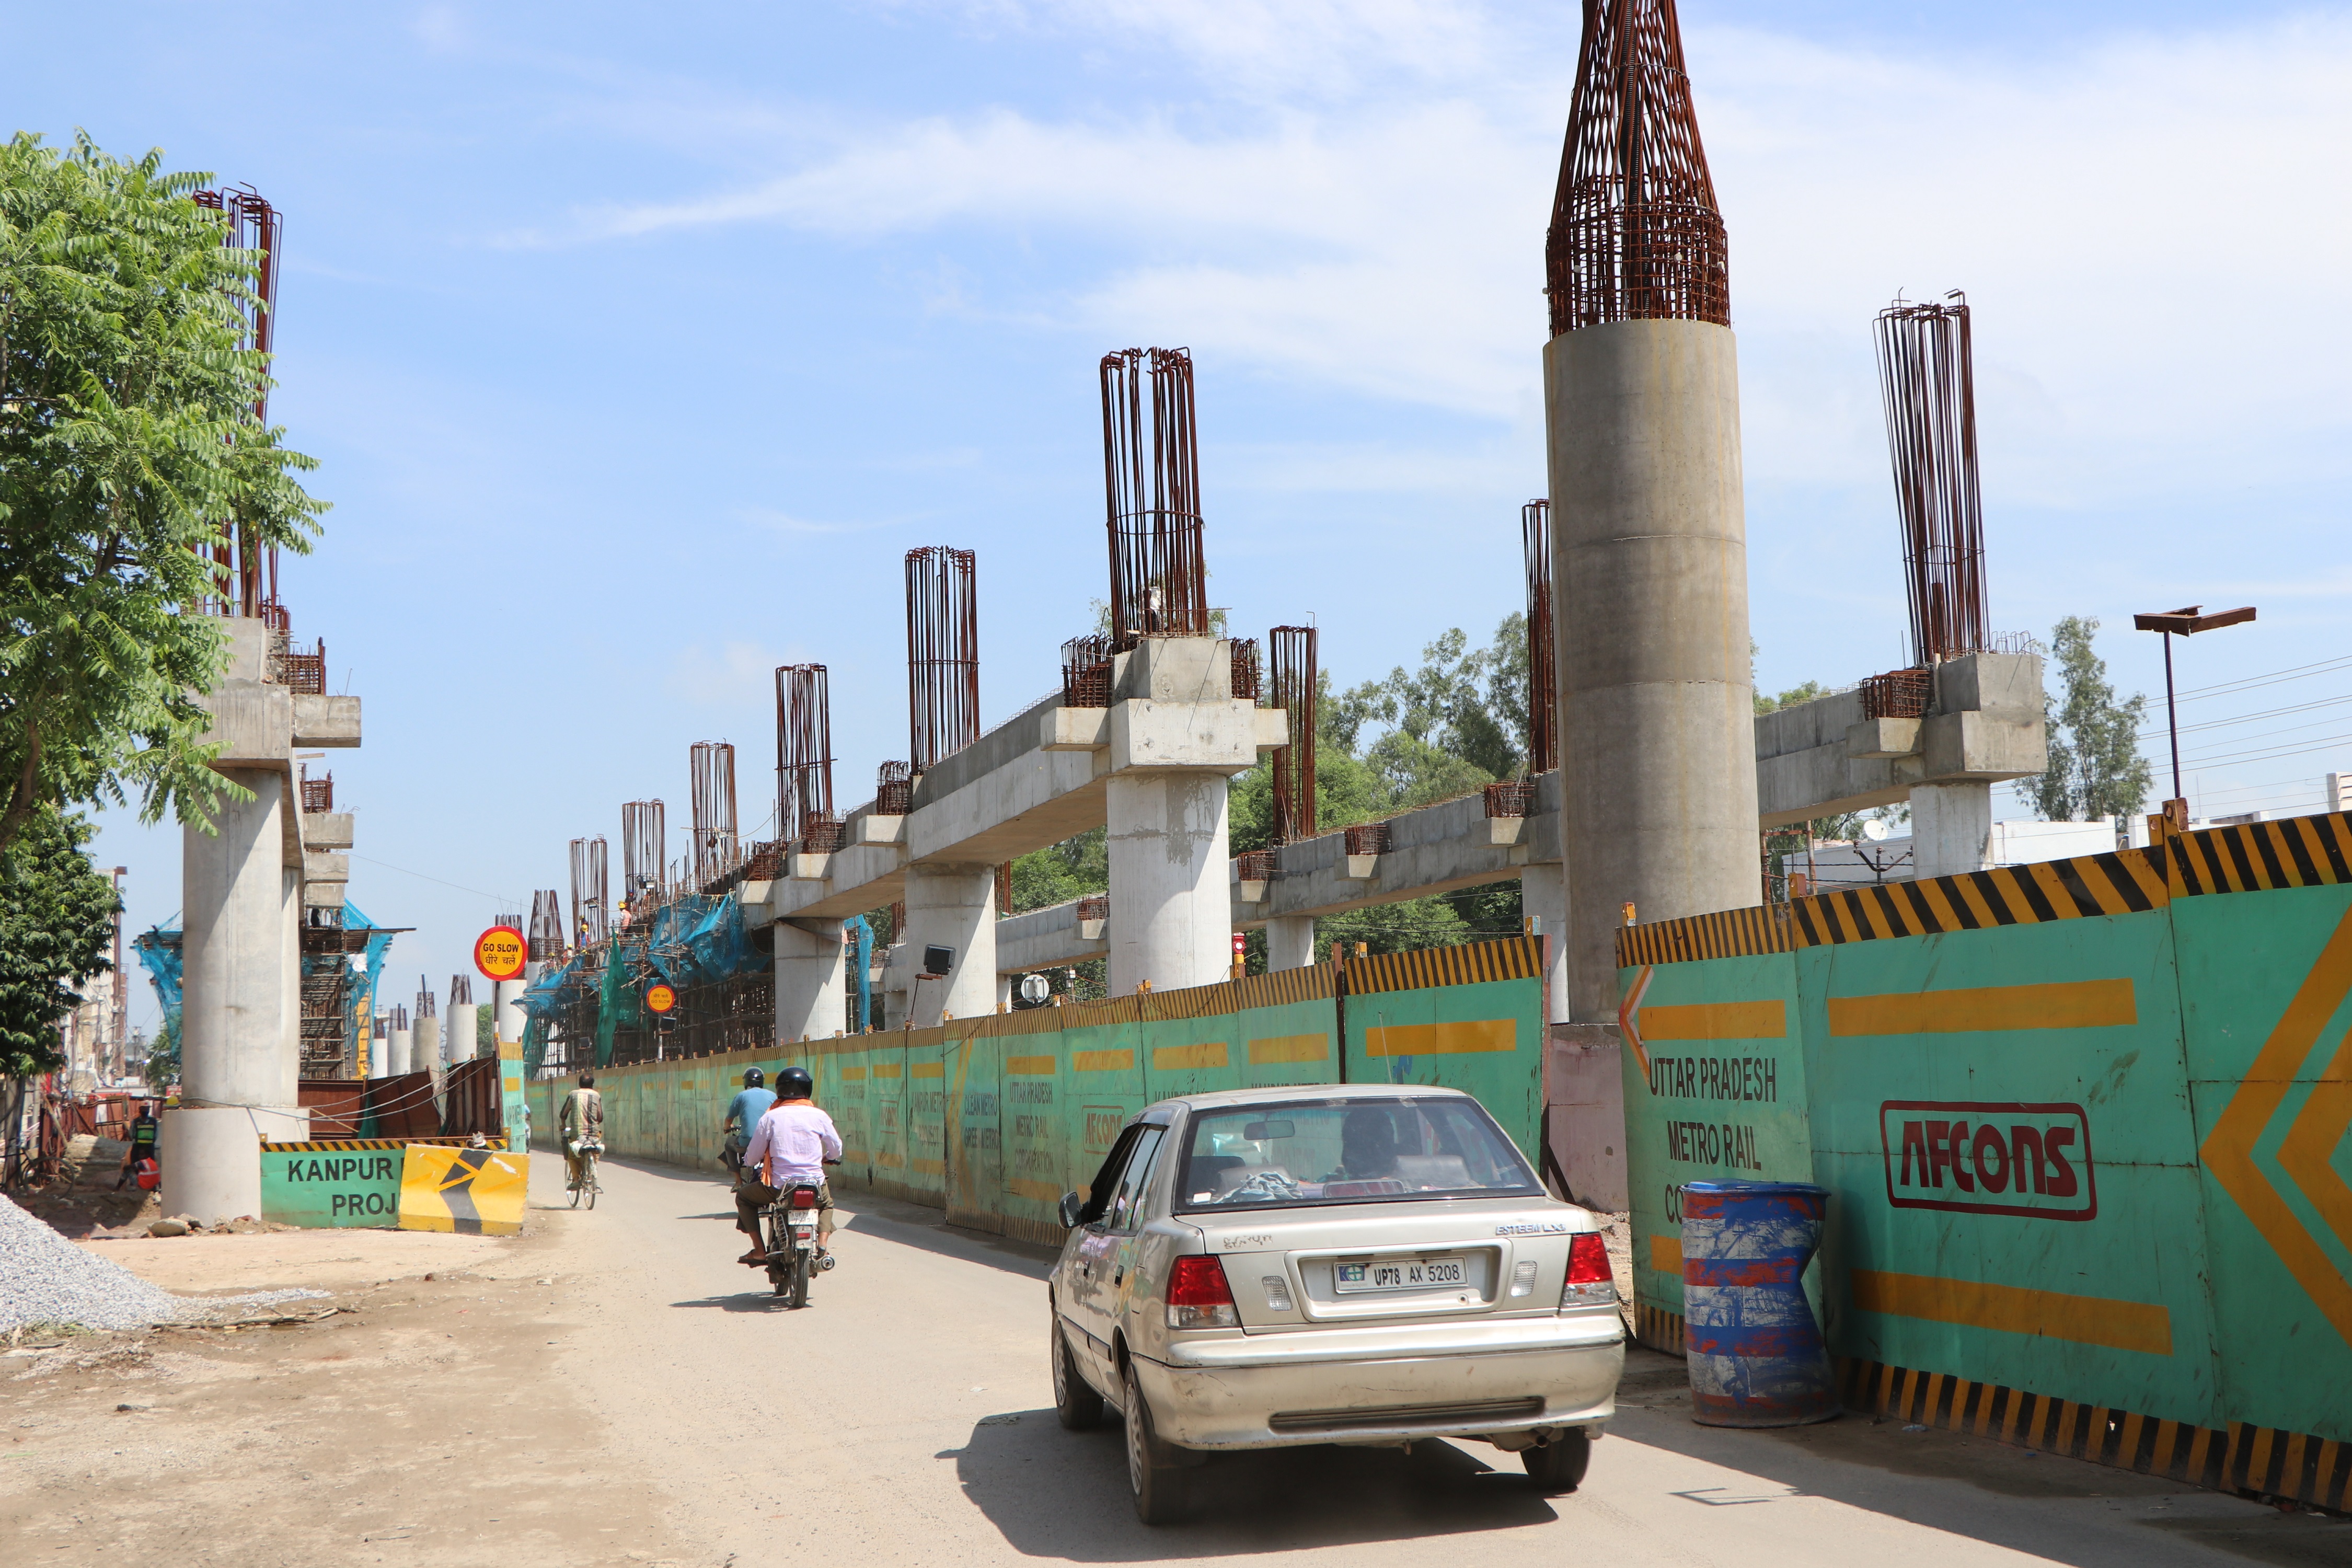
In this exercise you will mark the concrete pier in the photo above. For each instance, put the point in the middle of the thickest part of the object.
(239, 1045)
(508, 1020)
(1951, 828)
(424, 1040)
(812, 981)
(1170, 910)
(1543, 899)
(1290, 942)
(402, 1051)
(1650, 586)
(952, 907)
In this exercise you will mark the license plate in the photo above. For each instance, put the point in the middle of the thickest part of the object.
(1405, 1274)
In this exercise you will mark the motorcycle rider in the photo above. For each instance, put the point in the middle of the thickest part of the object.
(743, 1113)
(790, 1148)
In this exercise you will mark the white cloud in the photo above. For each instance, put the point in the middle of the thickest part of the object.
(2148, 227)
(739, 677)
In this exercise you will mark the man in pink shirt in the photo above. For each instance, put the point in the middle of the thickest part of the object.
(789, 1148)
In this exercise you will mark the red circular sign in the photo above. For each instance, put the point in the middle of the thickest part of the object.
(499, 952)
(660, 997)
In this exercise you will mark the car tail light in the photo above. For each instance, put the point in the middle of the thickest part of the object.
(805, 1198)
(1198, 1296)
(1590, 1283)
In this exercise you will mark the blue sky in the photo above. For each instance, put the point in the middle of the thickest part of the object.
(639, 343)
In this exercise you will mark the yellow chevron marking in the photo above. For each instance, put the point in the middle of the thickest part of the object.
(2143, 1326)
(1767, 1020)
(2229, 1150)
(2058, 1005)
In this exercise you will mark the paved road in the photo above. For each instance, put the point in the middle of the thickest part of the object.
(906, 1418)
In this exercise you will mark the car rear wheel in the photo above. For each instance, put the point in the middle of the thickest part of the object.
(1075, 1400)
(1559, 1466)
(1152, 1472)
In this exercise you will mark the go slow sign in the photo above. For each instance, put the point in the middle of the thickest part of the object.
(500, 952)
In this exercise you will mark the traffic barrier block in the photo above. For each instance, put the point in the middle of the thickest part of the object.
(473, 1192)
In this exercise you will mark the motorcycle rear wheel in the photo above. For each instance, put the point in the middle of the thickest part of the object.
(800, 1278)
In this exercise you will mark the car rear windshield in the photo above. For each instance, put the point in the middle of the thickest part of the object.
(1353, 1151)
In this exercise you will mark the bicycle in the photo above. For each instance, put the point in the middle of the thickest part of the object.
(586, 1185)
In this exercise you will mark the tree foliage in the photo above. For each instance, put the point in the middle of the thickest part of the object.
(127, 443)
(2096, 766)
(55, 927)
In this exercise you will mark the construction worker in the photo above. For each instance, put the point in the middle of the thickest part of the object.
(143, 1132)
(582, 1118)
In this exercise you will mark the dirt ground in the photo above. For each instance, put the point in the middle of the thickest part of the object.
(394, 1430)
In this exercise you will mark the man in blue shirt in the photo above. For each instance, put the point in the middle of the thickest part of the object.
(743, 1113)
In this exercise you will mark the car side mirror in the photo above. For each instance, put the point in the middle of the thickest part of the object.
(1073, 1208)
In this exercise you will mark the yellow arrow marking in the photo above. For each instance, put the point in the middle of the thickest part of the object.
(2229, 1149)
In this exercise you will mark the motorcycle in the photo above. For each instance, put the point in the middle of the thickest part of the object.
(792, 1243)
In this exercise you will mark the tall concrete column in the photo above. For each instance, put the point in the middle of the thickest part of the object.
(952, 907)
(1951, 828)
(402, 1051)
(812, 981)
(1543, 898)
(425, 1038)
(509, 1019)
(1171, 904)
(1649, 590)
(1289, 942)
(239, 1069)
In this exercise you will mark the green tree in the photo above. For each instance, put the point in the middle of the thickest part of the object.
(128, 445)
(55, 927)
(2096, 766)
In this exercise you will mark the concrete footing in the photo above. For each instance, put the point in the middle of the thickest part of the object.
(211, 1157)
(812, 982)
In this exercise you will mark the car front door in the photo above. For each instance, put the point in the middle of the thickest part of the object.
(1093, 1269)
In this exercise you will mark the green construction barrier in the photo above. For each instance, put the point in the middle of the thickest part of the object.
(2085, 1130)
(992, 1119)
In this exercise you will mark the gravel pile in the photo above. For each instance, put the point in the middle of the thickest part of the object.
(44, 1278)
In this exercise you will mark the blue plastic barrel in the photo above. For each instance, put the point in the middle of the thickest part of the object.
(1755, 1350)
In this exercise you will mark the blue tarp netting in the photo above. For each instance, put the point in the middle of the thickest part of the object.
(159, 954)
(691, 941)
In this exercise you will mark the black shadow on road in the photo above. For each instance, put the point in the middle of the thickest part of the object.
(2108, 1518)
(1057, 1493)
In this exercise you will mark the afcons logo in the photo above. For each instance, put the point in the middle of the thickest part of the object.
(1989, 1157)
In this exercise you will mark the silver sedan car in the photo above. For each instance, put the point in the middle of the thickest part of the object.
(1357, 1264)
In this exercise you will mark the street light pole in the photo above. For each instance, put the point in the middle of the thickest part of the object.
(2183, 622)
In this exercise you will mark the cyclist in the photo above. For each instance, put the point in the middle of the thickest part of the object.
(790, 1148)
(743, 1113)
(582, 1118)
